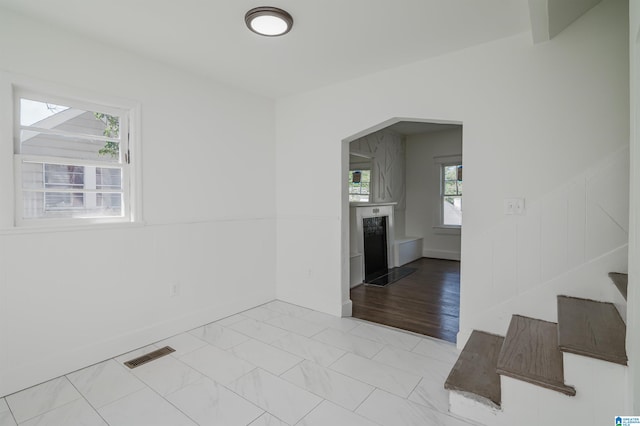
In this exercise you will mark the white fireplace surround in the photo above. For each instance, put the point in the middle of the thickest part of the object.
(362, 211)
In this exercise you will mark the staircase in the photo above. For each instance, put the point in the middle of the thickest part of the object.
(521, 378)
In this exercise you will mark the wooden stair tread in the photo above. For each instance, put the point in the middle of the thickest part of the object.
(620, 280)
(590, 328)
(474, 374)
(530, 353)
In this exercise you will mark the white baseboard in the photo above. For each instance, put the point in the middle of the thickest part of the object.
(62, 363)
(347, 309)
(441, 254)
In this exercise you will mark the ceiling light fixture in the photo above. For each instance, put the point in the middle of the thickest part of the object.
(268, 21)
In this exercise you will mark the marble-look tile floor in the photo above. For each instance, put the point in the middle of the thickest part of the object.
(274, 365)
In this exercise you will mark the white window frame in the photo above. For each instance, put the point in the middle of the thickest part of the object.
(364, 163)
(360, 169)
(21, 87)
(442, 162)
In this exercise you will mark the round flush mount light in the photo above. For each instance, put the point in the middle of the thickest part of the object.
(268, 21)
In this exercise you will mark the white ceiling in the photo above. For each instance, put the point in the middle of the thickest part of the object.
(331, 40)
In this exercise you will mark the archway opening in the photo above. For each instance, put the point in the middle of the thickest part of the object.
(402, 193)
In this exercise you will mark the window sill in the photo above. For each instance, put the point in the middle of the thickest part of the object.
(447, 230)
(69, 228)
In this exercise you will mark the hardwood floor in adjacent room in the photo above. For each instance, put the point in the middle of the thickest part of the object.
(425, 302)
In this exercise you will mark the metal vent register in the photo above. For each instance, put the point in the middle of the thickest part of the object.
(159, 353)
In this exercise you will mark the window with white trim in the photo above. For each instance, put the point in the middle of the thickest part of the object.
(359, 185)
(451, 194)
(72, 161)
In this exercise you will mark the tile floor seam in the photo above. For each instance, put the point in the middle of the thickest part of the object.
(235, 393)
(371, 384)
(275, 347)
(341, 356)
(325, 398)
(266, 411)
(117, 399)
(299, 422)
(233, 390)
(169, 402)
(88, 402)
(314, 407)
(37, 415)
(289, 352)
(291, 331)
(151, 387)
(321, 331)
(365, 400)
(292, 367)
(304, 337)
(371, 340)
(373, 389)
(11, 411)
(272, 415)
(393, 329)
(415, 387)
(240, 396)
(351, 350)
(206, 375)
(49, 411)
(429, 404)
(146, 386)
(226, 328)
(250, 337)
(173, 354)
(380, 350)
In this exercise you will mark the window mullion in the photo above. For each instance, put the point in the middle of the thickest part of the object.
(72, 135)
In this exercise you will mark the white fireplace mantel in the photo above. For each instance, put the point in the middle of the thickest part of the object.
(361, 211)
(372, 204)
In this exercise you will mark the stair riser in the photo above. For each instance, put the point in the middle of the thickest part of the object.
(525, 404)
(621, 306)
(471, 409)
(603, 383)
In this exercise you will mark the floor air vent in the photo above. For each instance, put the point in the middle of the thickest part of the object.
(137, 362)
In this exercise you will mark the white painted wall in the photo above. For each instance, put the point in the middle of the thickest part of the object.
(72, 298)
(423, 192)
(633, 296)
(534, 116)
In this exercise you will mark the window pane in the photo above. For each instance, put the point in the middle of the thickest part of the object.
(75, 120)
(63, 201)
(451, 172)
(111, 202)
(65, 204)
(452, 211)
(69, 191)
(32, 175)
(108, 178)
(32, 112)
(37, 143)
(359, 191)
(61, 176)
(450, 188)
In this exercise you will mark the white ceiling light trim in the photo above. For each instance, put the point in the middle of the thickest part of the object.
(268, 21)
